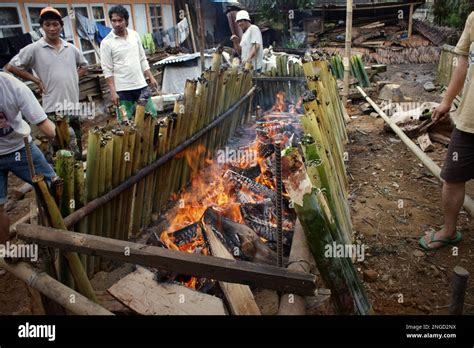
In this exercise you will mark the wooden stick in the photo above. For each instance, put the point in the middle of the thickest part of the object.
(54, 290)
(239, 297)
(232, 271)
(427, 162)
(191, 29)
(347, 52)
(300, 261)
(458, 290)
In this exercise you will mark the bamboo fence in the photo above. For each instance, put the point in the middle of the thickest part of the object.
(115, 155)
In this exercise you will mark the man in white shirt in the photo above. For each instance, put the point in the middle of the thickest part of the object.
(17, 101)
(58, 66)
(250, 46)
(124, 61)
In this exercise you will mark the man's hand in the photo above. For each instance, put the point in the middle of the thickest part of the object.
(154, 83)
(441, 112)
(115, 98)
(40, 85)
(235, 38)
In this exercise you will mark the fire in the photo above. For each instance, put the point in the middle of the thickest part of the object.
(209, 187)
(280, 103)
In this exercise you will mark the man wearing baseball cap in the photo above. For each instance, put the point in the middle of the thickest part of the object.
(58, 65)
(250, 46)
(17, 101)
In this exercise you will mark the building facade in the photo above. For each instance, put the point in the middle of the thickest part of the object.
(145, 17)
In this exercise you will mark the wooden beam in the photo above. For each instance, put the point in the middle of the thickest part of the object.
(239, 297)
(143, 294)
(233, 271)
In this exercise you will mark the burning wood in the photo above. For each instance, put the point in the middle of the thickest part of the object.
(250, 184)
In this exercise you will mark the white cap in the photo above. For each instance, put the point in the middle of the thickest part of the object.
(242, 15)
(21, 127)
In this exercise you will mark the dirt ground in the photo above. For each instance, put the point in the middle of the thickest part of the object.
(382, 171)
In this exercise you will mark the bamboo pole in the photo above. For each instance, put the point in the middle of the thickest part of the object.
(92, 186)
(201, 32)
(191, 29)
(318, 224)
(56, 221)
(79, 201)
(54, 290)
(347, 51)
(427, 161)
(64, 168)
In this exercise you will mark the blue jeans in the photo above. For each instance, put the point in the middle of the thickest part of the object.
(16, 163)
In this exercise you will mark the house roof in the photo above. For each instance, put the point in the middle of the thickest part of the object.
(256, 5)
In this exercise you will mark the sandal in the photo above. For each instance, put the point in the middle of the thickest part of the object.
(444, 241)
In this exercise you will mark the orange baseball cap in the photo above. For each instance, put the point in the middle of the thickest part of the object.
(50, 10)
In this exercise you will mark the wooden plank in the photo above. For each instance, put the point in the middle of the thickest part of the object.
(242, 272)
(425, 143)
(440, 138)
(140, 292)
(239, 297)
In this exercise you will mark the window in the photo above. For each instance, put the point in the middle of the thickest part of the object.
(98, 14)
(10, 21)
(156, 18)
(86, 46)
(33, 14)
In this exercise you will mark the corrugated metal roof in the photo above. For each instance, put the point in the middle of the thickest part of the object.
(180, 58)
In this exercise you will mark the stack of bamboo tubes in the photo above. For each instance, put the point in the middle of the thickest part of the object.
(285, 67)
(269, 89)
(116, 154)
(319, 187)
(323, 122)
(357, 69)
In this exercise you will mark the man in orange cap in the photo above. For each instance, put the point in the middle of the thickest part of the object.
(58, 65)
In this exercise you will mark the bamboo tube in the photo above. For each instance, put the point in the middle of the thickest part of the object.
(109, 174)
(137, 164)
(56, 221)
(62, 133)
(117, 178)
(314, 214)
(128, 195)
(121, 162)
(92, 187)
(79, 201)
(64, 168)
(101, 177)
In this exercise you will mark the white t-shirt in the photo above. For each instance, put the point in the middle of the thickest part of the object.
(125, 60)
(16, 100)
(252, 35)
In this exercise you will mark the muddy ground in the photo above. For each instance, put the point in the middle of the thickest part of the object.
(382, 171)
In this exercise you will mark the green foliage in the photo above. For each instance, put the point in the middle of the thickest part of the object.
(452, 13)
